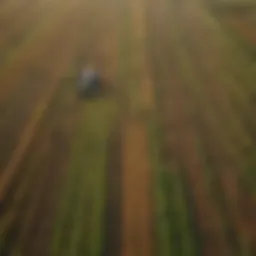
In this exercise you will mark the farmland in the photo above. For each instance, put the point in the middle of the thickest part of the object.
(163, 163)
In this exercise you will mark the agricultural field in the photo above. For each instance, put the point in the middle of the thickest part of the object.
(164, 163)
(240, 20)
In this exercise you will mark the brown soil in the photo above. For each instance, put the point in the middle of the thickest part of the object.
(28, 108)
(136, 205)
(139, 24)
(16, 27)
(245, 27)
(20, 62)
(137, 236)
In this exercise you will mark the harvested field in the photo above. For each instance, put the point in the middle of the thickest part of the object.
(162, 163)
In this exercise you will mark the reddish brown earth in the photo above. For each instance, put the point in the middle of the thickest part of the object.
(244, 25)
(137, 231)
(137, 235)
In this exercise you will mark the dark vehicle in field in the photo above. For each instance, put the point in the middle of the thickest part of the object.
(89, 83)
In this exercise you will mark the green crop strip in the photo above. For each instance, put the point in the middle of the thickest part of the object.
(173, 224)
(79, 227)
(174, 229)
(80, 222)
(192, 84)
(240, 51)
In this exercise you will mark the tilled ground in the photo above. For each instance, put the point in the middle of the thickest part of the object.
(162, 61)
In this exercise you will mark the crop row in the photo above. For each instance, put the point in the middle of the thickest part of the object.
(12, 195)
(80, 227)
(229, 168)
(197, 88)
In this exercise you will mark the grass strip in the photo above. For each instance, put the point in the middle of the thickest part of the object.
(79, 226)
(173, 223)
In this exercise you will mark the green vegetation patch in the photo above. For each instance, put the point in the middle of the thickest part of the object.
(79, 226)
(173, 223)
(250, 173)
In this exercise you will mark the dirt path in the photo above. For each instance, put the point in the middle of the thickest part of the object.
(139, 22)
(137, 236)
(137, 239)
